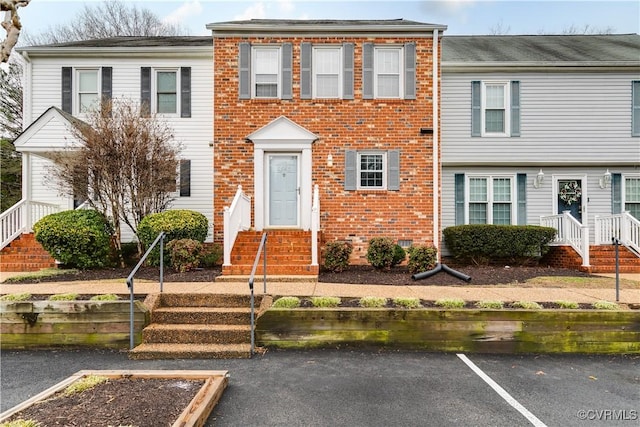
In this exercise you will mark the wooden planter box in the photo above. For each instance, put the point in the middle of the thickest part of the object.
(463, 330)
(45, 324)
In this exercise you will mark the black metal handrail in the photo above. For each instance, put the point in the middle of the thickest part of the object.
(160, 239)
(262, 250)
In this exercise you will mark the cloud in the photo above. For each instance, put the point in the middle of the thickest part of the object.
(255, 11)
(183, 13)
(446, 8)
(286, 6)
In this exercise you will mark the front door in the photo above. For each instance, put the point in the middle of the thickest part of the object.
(570, 197)
(283, 190)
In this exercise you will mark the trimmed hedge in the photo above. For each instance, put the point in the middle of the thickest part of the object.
(336, 255)
(78, 238)
(381, 253)
(422, 258)
(484, 243)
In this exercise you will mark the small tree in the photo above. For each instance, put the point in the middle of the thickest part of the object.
(127, 162)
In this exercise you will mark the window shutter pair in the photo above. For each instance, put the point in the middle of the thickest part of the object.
(67, 87)
(185, 91)
(306, 72)
(476, 108)
(351, 170)
(521, 203)
(409, 70)
(244, 71)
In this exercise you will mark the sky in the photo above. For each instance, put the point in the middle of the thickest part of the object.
(461, 16)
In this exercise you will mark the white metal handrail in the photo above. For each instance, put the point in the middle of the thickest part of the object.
(237, 218)
(20, 218)
(315, 225)
(569, 232)
(623, 227)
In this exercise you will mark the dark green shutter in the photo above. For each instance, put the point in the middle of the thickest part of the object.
(244, 70)
(522, 198)
(145, 91)
(635, 108)
(185, 178)
(305, 70)
(393, 170)
(616, 193)
(367, 71)
(410, 71)
(347, 73)
(459, 200)
(107, 83)
(185, 92)
(287, 71)
(476, 113)
(515, 108)
(67, 90)
(350, 170)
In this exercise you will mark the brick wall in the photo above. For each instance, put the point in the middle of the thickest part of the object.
(356, 124)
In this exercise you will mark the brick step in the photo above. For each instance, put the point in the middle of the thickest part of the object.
(273, 250)
(196, 334)
(25, 266)
(278, 269)
(26, 257)
(612, 268)
(203, 315)
(207, 300)
(271, 261)
(190, 351)
(270, 278)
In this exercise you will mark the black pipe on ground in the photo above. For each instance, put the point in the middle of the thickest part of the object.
(438, 268)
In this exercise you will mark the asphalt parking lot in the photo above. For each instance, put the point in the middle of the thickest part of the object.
(369, 388)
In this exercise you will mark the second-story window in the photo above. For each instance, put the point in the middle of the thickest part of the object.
(388, 72)
(88, 92)
(495, 108)
(266, 72)
(167, 92)
(326, 72)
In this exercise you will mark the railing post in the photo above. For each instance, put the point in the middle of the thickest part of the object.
(226, 244)
(162, 263)
(624, 228)
(131, 341)
(264, 266)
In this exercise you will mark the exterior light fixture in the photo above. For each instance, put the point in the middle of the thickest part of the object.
(605, 181)
(329, 160)
(539, 179)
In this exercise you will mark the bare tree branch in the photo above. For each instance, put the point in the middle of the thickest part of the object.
(11, 25)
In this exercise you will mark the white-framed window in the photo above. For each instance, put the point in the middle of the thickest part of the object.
(372, 170)
(87, 89)
(490, 200)
(388, 72)
(265, 72)
(495, 108)
(327, 72)
(632, 195)
(166, 91)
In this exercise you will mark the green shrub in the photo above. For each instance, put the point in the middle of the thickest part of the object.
(324, 302)
(211, 256)
(491, 305)
(450, 303)
(184, 254)
(16, 297)
(79, 238)
(177, 224)
(380, 253)
(287, 302)
(373, 302)
(336, 255)
(105, 297)
(605, 305)
(399, 255)
(64, 297)
(529, 305)
(407, 302)
(482, 243)
(422, 258)
(567, 304)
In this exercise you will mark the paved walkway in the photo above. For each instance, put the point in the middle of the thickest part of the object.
(466, 292)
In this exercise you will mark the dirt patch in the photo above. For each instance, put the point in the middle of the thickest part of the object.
(117, 402)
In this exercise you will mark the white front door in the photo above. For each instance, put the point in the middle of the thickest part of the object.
(283, 190)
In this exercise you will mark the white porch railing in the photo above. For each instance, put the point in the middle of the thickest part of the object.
(20, 218)
(569, 232)
(315, 225)
(623, 227)
(237, 218)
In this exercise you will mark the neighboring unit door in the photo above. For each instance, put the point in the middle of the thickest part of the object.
(569, 193)
(283, 190)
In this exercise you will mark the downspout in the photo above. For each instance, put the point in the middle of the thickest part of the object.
(436, 157)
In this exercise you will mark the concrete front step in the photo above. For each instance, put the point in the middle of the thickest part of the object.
(203, 315)
(230, 278)
(196, 334)
(190, 351)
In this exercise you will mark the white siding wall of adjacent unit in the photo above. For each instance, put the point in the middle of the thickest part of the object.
(566, 118)
(194, 133)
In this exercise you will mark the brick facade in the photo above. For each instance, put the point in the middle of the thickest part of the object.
(358, 124)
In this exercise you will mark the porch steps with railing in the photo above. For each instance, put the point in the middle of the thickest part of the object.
(25, 254)
(602, 259)
(288, 254)
(197, 326)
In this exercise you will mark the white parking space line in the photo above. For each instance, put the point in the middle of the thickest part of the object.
(502, 392)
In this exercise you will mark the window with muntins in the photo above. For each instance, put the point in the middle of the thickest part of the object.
(327, 78)
(167, 92)
(490, 200)
(266, 72)
(88, 95)
(495, 108)
(388, 72)
(371, 171)
(632, 196)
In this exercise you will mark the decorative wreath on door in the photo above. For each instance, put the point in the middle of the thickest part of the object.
(570, 192)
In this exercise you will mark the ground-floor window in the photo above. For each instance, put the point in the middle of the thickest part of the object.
(490, 200)
(632, 196)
